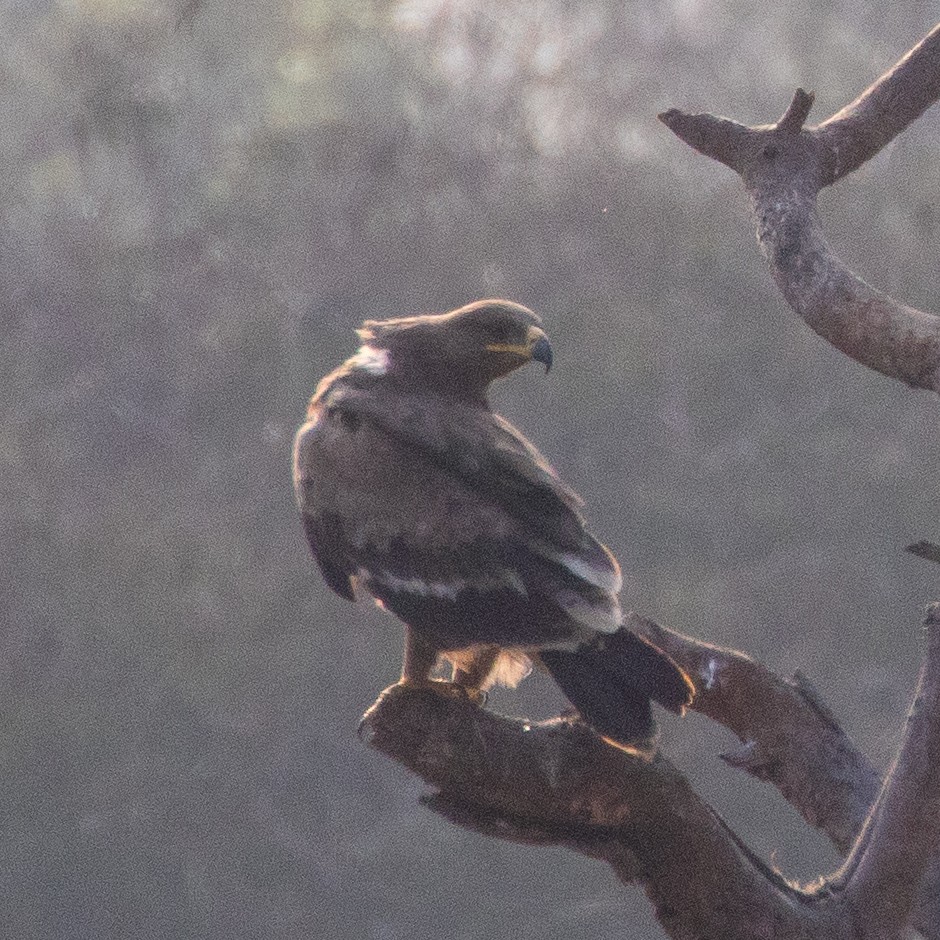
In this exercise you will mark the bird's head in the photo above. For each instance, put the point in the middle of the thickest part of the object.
(461, 351)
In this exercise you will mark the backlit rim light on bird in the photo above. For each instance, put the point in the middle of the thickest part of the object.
(371, 360)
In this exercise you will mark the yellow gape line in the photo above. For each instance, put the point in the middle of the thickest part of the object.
(516, 348)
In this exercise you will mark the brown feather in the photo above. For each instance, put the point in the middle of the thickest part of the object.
(410, 486)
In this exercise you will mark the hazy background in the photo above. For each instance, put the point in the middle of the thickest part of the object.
(193, 221)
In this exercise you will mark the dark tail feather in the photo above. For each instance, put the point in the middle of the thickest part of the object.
(611, 680)
(644, 667)
(611, 708)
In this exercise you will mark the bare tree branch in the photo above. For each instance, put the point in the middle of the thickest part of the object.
(557, 783)
(885, 869)
(796, 114)
(792, 740)
(790, 737)
(857, 132)
(783, 167)
(927, 550)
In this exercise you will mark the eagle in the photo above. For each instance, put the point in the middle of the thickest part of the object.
(412, 490)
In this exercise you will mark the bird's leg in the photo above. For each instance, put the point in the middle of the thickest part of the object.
(417, 665)
(419, 660)
(472, 676)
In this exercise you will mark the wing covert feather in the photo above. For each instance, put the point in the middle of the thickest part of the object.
(482, 449)
(488, 514)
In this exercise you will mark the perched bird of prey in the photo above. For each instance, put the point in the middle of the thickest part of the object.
(412, 490)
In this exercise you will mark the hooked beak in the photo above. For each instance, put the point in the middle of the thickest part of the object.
(536, 346)
(541, 351)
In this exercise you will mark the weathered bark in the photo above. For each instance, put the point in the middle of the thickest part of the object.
(556, 783)
(783, 167)
(883, 873)
(793, 741)
(789, 737)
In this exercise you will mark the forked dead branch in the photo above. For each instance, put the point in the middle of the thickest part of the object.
(785, 165)
(557, 783)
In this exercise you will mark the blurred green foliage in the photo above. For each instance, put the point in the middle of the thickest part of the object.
(193, 221)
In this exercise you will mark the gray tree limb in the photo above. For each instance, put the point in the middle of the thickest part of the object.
(884, 870)
(784, 166)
